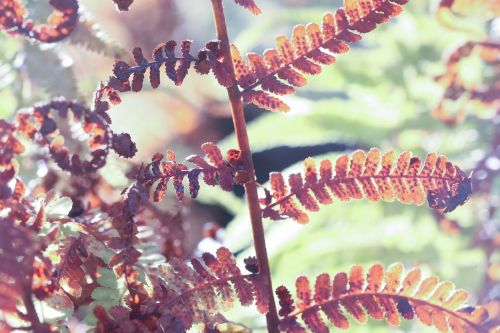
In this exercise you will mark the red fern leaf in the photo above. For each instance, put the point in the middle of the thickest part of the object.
(187, 295)
(388, 295)
(200, 290)
(39, 125)
(309, 49)
(443, 184)
(215, 171)
(176, 67)
(75, 266)
(123, 219)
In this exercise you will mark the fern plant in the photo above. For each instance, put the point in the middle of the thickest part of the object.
(64, 255)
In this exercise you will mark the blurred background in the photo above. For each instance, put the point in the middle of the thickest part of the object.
(384, 93)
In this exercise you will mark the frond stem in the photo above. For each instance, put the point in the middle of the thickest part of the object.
(246, 154)
(146, 65)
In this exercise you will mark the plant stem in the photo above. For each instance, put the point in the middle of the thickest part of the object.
(240, 128)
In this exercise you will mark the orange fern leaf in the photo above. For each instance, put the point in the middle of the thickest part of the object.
(249, 5)
(60, 23)
(390, 295)
(309, 48)
(368, 175)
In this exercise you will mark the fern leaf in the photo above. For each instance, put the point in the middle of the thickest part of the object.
(215, 171)
(378, 294)
(205, 288)
(55, 78)
(249, 5)
(483, 95)
(450, 13)
(310, 48)
(75, 262)
(125, 259)
(189, 294)
(39, 124)
(88, 34)
(111, 91)
(60, 24)
(368, 175)
(176, 68)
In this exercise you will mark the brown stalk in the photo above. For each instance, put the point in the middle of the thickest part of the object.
(246, 155)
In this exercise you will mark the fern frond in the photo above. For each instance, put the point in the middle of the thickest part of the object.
(39, 124)
(188, 294)
(388, 295)
(204, 289)
(176, 68)
(368, 175)
(108, 94)
(89, 35)
(53, 77)
(123, 218)
(310, 48)
(215, 171)
(450, 13)
(60, 24)
(249, 5)
(458, 91)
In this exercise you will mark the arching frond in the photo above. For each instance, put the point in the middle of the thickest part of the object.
(368, 175)
(40, 124)
(388, 295)
(465, 96)
(281, 69)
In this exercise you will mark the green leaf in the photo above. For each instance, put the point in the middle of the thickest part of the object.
(48, 71)
(102, 293)
(89, 35)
